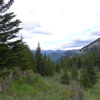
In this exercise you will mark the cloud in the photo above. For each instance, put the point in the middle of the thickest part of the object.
(41, 32)
(58, 23)
(37, 30)
(97, 33)
(30, 26)
(79, 43)
(34, 28)
(76, 43)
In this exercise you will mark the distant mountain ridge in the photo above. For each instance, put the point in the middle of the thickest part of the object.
(57, 54)
(43, 51)
(92, 47)
(53, 54)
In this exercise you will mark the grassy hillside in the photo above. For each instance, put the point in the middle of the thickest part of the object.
(40, 89)
(44, 88)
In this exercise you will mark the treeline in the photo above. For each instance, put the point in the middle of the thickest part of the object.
(14, 53)
(83, 69)
(44, 65)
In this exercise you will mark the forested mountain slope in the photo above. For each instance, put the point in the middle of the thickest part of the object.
(93, 47)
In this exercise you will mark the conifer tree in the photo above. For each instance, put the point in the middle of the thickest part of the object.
(70, 63)
(65, 79)
(24, 57)
(58, 67)
(8, 32)
(45, 55)
(88, 75)
(64, 63)
(85, 79)
(39, 61)
(74, 73)
(98, 61)
(78, 62)
(5, 6)
(49, 68)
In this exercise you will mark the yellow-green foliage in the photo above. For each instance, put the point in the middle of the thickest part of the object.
(68, 93)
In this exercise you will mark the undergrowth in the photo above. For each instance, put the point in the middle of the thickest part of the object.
(44, 88)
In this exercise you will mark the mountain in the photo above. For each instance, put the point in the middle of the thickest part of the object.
(57, 54)
(67, 54)
(43, 51)
(93, 47)
(70, 53)
(53, 54)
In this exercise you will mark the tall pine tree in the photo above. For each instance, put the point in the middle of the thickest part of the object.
(74, 73)
(88, 75)
(5, 6)
(39, 61)
(8, 33)
(49, 67)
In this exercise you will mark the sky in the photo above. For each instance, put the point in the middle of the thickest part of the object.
(58, 24)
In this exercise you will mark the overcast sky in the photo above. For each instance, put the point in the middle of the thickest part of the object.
(58, 24)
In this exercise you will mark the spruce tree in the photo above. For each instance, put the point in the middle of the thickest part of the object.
(65, 78)
(24, 57)
(98, 61)
(39, 61)
(85, 79)
(5, 6)
(90, 65)
(78, 62)
(64, 63)
(58, 67)
(8, 33)
(88, 75)
(74, 73)
(49, 68)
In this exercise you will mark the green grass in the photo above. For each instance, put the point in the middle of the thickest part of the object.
(93, 93)
(44, 88)
(40, 89)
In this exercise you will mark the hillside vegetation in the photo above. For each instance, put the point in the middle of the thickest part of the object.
(46, 88)
(93, 47)
(28, 76)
